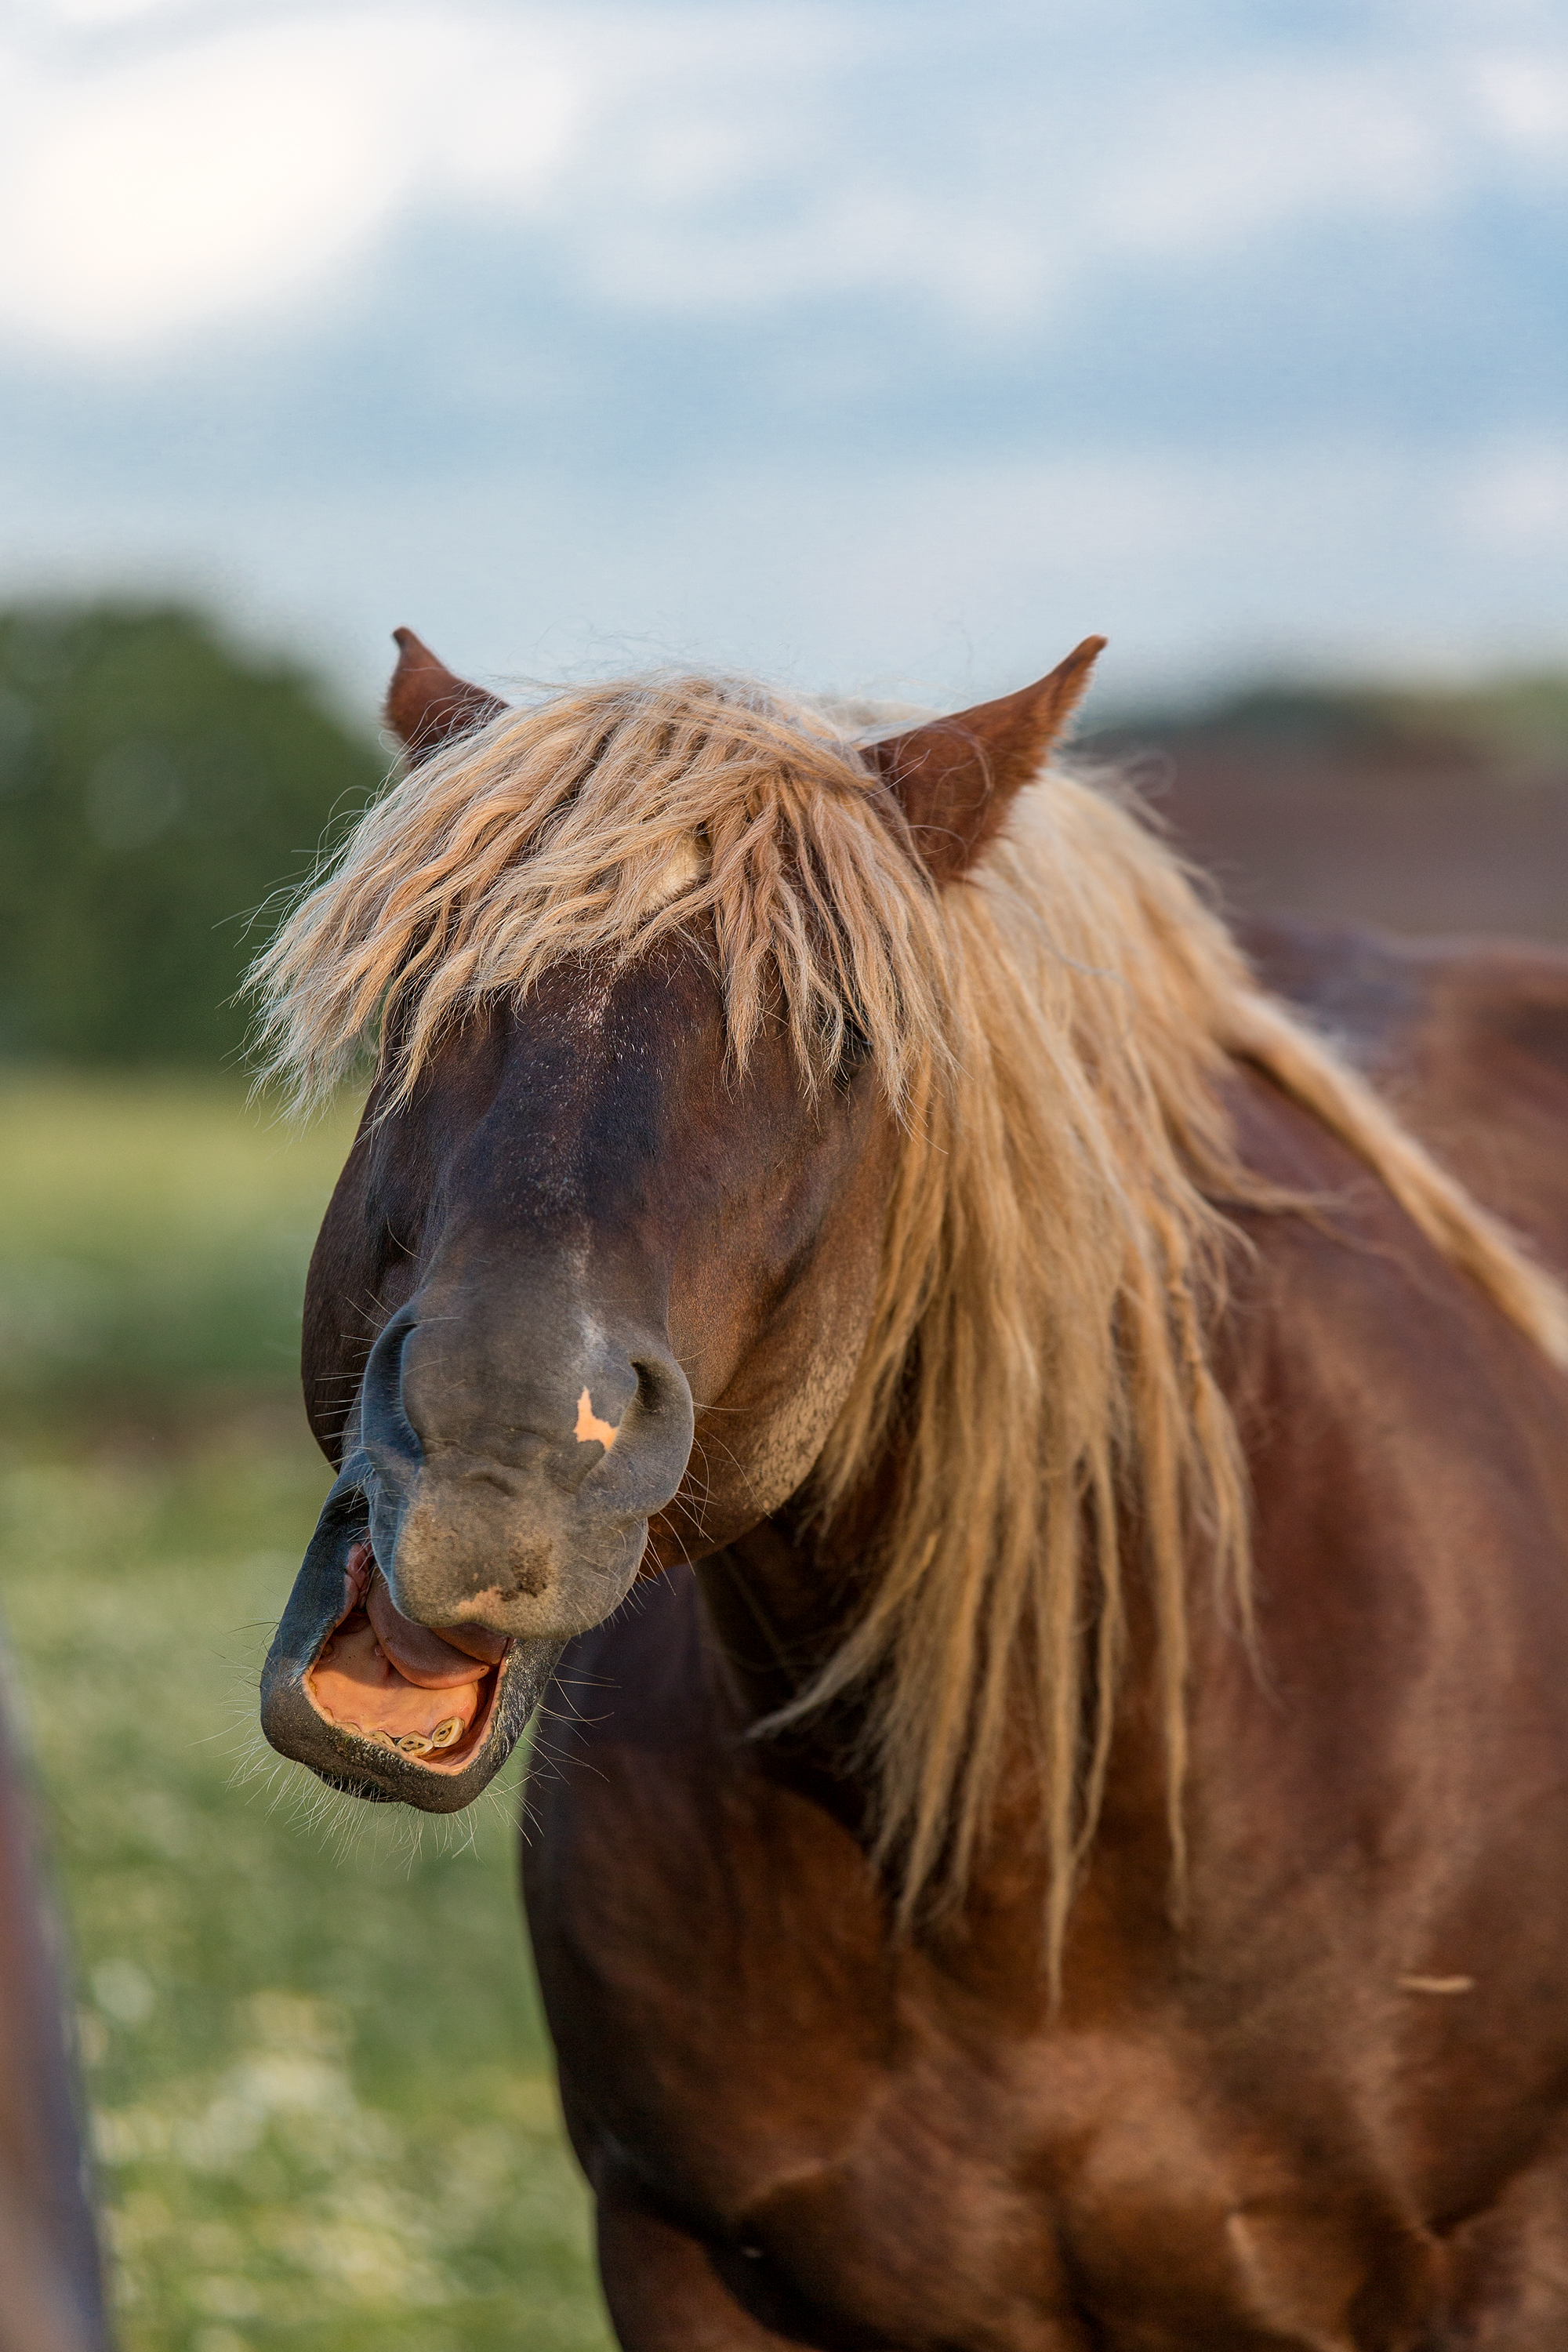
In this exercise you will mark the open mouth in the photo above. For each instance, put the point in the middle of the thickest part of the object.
(427, 1695)
(382, 1707)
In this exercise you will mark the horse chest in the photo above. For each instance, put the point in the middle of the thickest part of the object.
(894, 2149)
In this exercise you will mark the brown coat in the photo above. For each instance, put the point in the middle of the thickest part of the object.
(1329, 2111)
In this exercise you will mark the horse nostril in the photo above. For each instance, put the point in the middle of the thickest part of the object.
(389, 1437)
(658, 1385)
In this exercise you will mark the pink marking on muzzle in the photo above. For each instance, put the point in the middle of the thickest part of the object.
(590, 1426)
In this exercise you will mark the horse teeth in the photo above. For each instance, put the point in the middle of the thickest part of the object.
(445, 1734)
(413, 1743)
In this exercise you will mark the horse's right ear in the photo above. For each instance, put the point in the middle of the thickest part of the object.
(955, 778)
(426, 706)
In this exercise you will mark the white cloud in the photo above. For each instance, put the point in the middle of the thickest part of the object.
(96, 14)
(211, 182)
(1524, 97)
(229, 173)
(702, 161)
(1240, 155)
(1512, 498)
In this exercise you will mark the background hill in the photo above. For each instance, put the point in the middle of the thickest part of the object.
(157, 786)
(1420, 811)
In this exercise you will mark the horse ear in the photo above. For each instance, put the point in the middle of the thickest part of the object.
(425, 706)
(956, 777)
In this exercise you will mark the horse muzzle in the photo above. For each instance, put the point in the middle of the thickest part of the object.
(447, 1571)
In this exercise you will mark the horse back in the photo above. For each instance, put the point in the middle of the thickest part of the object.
(1466, 1038)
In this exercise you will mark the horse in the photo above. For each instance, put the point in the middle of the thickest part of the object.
(1020, 1433)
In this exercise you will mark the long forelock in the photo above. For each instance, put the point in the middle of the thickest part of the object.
(592, 827)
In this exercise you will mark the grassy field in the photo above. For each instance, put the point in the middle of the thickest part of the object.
(324, 2112)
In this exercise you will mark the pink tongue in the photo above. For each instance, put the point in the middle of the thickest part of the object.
(420, 1655)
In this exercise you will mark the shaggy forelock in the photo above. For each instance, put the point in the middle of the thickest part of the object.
(592, 827)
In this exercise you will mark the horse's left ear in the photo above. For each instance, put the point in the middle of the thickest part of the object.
(956, 777)
(427, 705)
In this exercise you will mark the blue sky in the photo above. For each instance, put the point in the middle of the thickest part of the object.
(869, 346)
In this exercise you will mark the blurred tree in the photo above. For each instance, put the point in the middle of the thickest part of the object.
(157, 788)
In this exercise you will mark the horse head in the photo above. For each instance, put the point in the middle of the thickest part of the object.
(594, 1286)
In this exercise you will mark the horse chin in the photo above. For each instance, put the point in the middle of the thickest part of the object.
(335, 1694)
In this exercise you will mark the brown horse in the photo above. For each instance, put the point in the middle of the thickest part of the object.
(1057, 1502)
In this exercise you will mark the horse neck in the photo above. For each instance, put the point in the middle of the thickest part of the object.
(780, 1600)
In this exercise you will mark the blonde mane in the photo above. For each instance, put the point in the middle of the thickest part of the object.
(1052, 1034)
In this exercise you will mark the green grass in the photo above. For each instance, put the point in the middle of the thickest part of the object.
(153, 1239)
(325, 2111)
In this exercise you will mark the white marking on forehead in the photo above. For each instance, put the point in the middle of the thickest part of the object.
(687, 863)
(590, 1426)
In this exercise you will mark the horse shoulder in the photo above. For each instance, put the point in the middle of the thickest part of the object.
(1468, 1040)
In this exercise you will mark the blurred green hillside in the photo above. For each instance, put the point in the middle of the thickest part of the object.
(157, 788)
(156, 1234)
